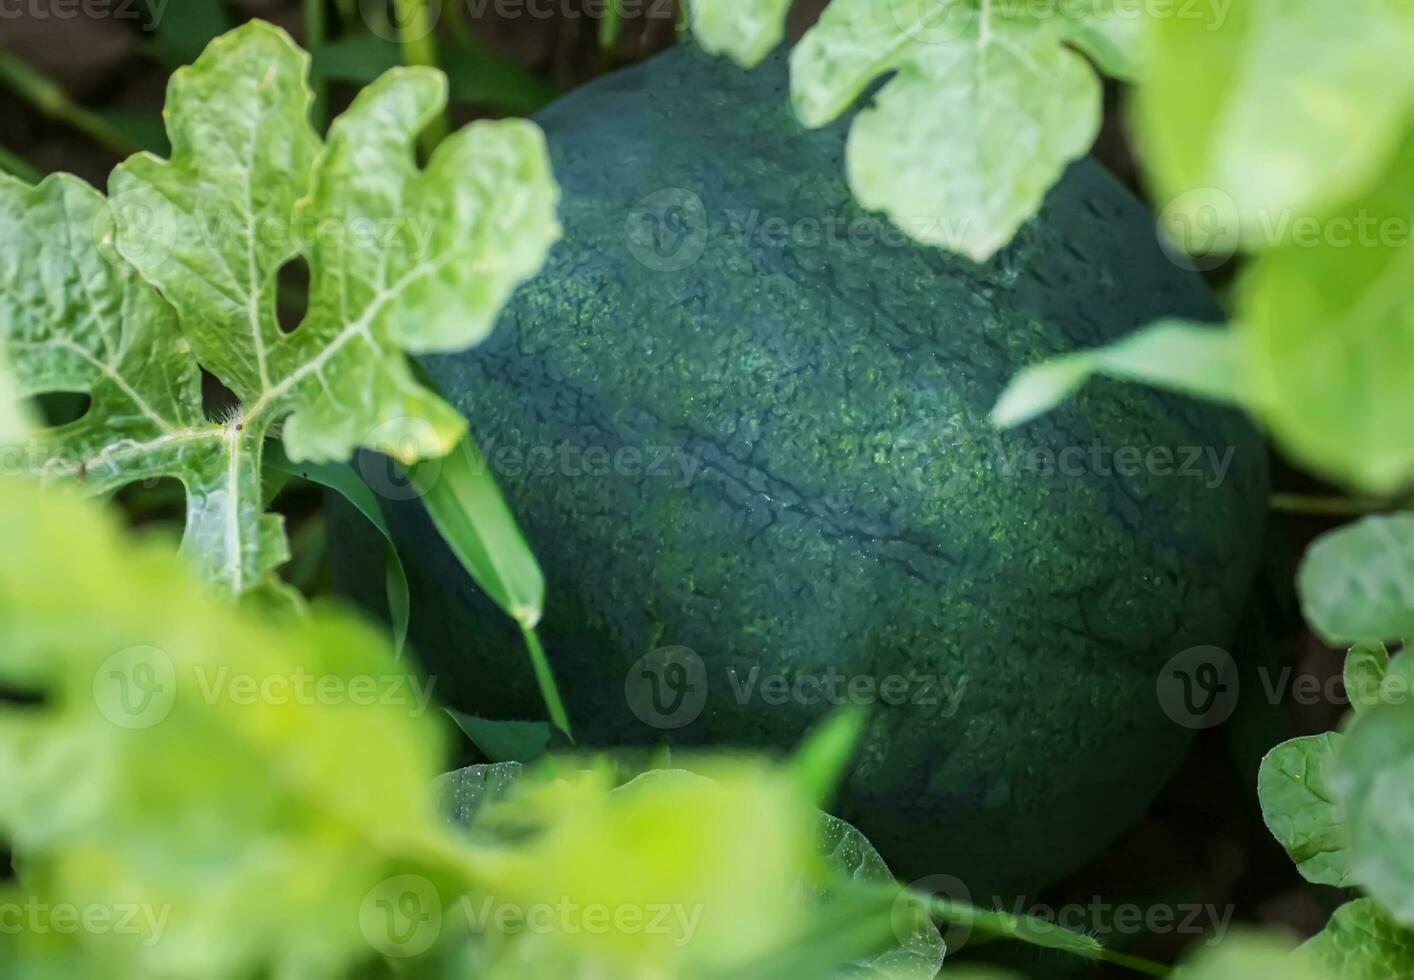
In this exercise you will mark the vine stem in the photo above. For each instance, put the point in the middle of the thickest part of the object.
(12, 164)
(1036, 932)
(419, 41)
(546, 680)
(50, 99)
(316, 30)
(1296, 503)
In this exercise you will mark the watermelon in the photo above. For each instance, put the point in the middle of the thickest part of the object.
(745, 426)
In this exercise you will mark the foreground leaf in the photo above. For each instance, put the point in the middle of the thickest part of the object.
(1277, 110)
(1361, 942)
(1247, 955)
(1357, 583)
(1300, 808)
(1365, 667)
(401, 259)
(15, 422)
(1328, 332)
(1187, 357)
(849, 856)
(1373, 778)
(184, 759)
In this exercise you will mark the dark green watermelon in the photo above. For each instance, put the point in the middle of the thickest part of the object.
(744, 424)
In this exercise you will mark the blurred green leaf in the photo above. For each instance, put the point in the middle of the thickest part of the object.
(1373, 778)
(1186, 357)
(1301, 810)
(183, 759)
(1361, 942)
(825, 757)
(476, 75)
(1248, 956)
(919, 951)
(745, 31)
(1357, 582)
(1325, 325)
(1365, 667)
(1273, 109)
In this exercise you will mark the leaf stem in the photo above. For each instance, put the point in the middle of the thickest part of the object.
(419, 40)
(12, 164)
(316, 30)
(1296, 503)
(545, 678)
(1036, 932)
(50, 99)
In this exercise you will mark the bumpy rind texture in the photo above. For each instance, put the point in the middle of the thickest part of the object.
(846, 509)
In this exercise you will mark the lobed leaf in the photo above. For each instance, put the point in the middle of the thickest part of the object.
(744, 30)
(979, 121)
(125, 300)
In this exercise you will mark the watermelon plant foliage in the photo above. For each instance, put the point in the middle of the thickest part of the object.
(162, 760)
(128, 298)
(985, 104)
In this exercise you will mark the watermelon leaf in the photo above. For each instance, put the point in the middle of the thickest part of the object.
(1277, 111)
(1357, 582)
(988, 102)
(1365, 667)
(1300, 808)
(179, 270)
(1362, 942)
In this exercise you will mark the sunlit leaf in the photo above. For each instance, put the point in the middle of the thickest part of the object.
(983, 114)
(744, 30)
(402, 259)
(242, 787)
(1270, 110)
